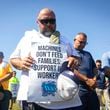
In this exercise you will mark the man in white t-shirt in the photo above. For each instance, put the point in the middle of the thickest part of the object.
(21, 58)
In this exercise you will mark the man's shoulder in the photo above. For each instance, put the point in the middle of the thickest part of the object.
(64, 39)
(87, 52)
(31, 32)
(106, 54)
(28, 35)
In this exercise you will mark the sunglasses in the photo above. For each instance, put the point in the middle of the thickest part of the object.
(46, 21)
(82, 42)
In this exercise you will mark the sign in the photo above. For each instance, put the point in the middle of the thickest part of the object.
(43, 75)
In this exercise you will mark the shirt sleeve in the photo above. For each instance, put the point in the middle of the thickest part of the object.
(106, 59)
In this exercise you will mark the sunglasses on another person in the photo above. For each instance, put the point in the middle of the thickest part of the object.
(46, 21)
(81, 42)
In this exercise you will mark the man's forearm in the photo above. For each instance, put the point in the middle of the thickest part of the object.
(80, 76)
(16, 62)
(91, 82)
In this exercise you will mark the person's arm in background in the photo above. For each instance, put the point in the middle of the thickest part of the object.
(6, 77)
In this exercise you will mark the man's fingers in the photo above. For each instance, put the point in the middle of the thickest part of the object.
(69, 63)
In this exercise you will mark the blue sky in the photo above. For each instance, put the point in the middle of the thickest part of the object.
(73, 16)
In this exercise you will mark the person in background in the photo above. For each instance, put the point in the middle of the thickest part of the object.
(106, 66)
(13, 87)
(22, 60)
(87, 67)
(101, 84)
(5, 75)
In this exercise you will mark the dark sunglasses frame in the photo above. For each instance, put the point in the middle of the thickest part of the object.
(46, 21)
(82, 42)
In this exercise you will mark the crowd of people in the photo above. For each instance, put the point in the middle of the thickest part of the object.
(82, 84)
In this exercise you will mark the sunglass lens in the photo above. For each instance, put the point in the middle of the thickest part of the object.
(46, 21)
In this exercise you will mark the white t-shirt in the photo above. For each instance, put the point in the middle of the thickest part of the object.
(23, 49)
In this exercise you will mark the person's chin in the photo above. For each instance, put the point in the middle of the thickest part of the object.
(47, 34)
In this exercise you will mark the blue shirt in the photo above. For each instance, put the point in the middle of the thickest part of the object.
(101, 79)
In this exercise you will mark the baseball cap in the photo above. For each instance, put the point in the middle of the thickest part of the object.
(67, 83)
(1, 54)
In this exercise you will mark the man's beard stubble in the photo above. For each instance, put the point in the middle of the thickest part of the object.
(48, 32)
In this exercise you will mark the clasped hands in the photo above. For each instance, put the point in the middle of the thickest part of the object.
(91, 82)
